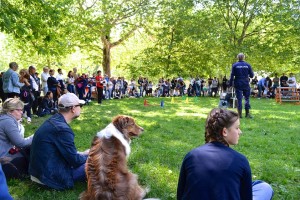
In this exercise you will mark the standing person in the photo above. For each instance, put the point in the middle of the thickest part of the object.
(44, 77)
(275, 82)
(283, 80)
(99, 85)
(292, 81)
(53, 84)
(54, 159)
(1, 88)
(141, 86)
(35, 88)
(14, 148)
(11, 83)
(26, 93)
(239, 78)
(224, 84)
(70, 82)
(214, 87)
(61, 79)
(216, 171)
(81, 84)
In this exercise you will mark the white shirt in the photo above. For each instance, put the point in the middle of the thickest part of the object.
(292, 82)
(44, 78)
(110, 85)
(34, 85)
(59, 77)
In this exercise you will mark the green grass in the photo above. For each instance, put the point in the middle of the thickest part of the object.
(270, 141)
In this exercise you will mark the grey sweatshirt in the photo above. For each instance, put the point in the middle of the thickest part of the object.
(10, 135)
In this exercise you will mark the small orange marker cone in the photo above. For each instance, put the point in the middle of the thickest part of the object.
(146, 103)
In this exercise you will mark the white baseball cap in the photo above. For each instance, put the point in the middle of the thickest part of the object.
(69, 100)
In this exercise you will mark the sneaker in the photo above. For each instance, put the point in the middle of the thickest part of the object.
(28, 119)
(24, 115)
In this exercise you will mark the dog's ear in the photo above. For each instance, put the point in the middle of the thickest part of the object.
(122, 121)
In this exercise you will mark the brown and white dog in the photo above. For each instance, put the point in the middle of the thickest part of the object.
(107, 173)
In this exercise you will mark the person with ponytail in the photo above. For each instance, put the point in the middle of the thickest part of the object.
(215, 171)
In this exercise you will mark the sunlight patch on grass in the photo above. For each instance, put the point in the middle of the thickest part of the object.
(135, 111)
(184, 114)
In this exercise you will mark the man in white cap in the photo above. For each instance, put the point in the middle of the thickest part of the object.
(54, 159)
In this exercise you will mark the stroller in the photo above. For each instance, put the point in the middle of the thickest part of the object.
(228, 99)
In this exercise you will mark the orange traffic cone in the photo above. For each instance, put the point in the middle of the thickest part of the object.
(146, 103)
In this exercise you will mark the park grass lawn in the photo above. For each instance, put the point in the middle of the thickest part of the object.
(270, 141)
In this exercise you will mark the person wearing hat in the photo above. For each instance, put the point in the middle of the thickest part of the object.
(239, 78)
(54, 159)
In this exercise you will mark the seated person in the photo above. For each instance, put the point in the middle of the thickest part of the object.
(54, 159)
(190, 91)
(216, 171)
(14, 148)
(270, 93)
(47, 107)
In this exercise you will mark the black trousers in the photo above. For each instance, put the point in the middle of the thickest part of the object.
(11, 95)
(99, 94)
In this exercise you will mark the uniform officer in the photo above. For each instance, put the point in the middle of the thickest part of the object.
(239, 78)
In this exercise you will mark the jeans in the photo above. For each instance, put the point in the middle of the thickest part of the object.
(71, 88)
(45, 90)
(79, 173)
(141, 90)
(261, 190)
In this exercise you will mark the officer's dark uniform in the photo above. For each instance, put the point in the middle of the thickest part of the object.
(240, 73)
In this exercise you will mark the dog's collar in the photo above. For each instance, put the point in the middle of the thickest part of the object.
(111, 130)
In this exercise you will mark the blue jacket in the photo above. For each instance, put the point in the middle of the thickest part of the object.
(53, 154)
(240, 73)
(11, 82)
(262, 82)
(215, 172)
(4, 194)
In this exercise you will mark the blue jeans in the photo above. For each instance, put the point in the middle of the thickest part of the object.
(71, 88)
(260, 89)
(261, 190)
(141, 91)
(79, 173)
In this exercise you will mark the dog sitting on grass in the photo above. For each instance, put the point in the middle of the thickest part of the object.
(107, 173)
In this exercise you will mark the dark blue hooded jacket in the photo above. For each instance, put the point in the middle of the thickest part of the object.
(240, 73)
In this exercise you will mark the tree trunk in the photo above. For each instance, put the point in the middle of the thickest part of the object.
(106, 56)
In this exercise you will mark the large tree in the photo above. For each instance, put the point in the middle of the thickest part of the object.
(39, 27)
(104, 24)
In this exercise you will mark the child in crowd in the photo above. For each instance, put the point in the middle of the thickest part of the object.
(46, 107)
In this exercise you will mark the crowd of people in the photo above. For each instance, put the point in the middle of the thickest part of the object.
(50, 156)
(40, 92)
